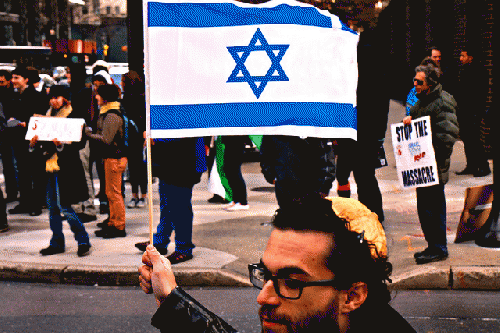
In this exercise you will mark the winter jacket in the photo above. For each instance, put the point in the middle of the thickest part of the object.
(109, 137)
(299, 166)
(182, 313)
(179, 162)
(441, 107)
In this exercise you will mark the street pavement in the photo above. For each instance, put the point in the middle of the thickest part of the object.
(226, 242)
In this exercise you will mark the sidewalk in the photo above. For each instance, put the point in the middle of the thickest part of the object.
(228, 241)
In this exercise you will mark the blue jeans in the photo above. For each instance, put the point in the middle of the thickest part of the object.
(431, 207)
(55, 210)
(176, 213)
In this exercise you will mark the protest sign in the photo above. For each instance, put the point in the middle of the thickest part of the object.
(223, 67)
(50, 128)
(414, 153)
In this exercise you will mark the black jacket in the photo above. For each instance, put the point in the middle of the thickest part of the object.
(182, 313)
(299, 166)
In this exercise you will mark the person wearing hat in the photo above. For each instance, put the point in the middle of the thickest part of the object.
(25, 103)
(65, 178)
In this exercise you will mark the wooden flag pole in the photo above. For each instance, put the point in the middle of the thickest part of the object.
(150, 184)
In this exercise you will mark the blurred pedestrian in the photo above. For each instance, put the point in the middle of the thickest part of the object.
(367, 154)
(109, 138)
(134, 103)
(433, 101)
(178, 164)
(470, 95)
(64, 177)
(299, 167)
(26, 102)
(6, 150)
(234, 146)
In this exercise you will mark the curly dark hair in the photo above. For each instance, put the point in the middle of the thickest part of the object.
(350, 259)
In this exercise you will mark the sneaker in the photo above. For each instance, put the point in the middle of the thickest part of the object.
(178, 257)
(132, 203)
(141, 203)
(217, 199)
(83, 250)
(19, 209)
(4, 228)
(103, 224)
(112, 232)
(237, 206)
(48, 251)
(142, 247)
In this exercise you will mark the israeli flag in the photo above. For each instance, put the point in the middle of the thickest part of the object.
(229, 68)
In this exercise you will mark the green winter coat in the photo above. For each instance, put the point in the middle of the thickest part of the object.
(441, 107)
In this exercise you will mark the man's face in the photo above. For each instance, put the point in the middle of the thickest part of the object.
(299, 255)
(97, 84)
(4, 82)
(420, 84)
(19, 82)
(57, 102)
(436, 56)
(465, 58)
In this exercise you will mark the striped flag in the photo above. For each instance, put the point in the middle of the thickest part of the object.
(221, 67)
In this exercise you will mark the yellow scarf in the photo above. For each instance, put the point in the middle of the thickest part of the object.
(51, 164)
(109, 106)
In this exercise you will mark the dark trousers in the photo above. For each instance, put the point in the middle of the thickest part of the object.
(470, 133)
(176, 214)
(360, 160)
(431, 207)
(138, 171)
(9, 170)
(32, 178)
(233, 158)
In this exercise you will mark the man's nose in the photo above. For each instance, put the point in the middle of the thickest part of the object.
(268, 295)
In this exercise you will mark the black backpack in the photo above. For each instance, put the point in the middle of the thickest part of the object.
(130, 130)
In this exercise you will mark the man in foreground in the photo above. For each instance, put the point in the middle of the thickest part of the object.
(315, 276)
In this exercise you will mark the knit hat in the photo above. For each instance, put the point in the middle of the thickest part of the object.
(59, 90)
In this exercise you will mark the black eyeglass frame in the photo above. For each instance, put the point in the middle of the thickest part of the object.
(301, 284)
(419, 82)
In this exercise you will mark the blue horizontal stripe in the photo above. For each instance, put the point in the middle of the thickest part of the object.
(253, 115)
(205, 15)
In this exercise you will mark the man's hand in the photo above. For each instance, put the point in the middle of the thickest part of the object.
(407, 120)
(156, 275)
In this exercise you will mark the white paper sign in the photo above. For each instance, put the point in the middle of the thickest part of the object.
(50, 128)
(414, 153)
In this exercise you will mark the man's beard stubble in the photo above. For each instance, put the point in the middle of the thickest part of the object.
(318, 322)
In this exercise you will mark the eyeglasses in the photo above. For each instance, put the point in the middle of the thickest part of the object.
(284, 287)
(419, 82)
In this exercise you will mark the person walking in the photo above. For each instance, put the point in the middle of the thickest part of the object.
(433, 101)
(65, 179)
(233, 158)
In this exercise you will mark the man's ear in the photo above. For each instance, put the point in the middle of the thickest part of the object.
(353, 298)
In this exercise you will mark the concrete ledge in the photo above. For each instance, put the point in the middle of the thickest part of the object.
(32, 272)
(476, 277)
(425, 277)
(210, 277)
(101, 275)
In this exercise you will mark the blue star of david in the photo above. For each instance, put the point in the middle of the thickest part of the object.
(275, 72)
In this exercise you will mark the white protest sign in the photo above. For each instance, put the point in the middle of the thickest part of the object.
(50, 128)
(414, 153)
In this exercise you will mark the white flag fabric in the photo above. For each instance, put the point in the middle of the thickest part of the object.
(230, 68)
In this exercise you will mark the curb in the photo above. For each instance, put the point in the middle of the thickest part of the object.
(112, 275)
(452, 278)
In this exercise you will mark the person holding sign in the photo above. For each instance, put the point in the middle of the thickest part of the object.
(433, 101)
(66, 183)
